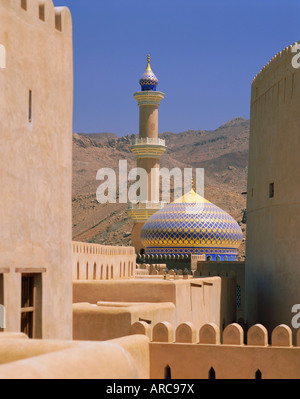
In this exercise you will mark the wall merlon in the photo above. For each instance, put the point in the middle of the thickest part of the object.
(59, 18)
(209, 334)
(186, 333)
(283, 57)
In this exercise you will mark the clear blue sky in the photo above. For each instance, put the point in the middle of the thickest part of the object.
(205, 54)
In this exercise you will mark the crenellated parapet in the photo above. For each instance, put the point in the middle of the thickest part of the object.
(282, 65)
(189, 353)
(41, 11)
(209, 334)
(102, 262)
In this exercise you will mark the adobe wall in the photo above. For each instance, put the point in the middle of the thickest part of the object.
(125, 358)
(234, 269)
(110, 320)
(197, 300)
(102, 262)
(273, 223)
(36, 159)
(189, 353)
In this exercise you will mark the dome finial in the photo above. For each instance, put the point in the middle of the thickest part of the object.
(148, 81)
(148, 66)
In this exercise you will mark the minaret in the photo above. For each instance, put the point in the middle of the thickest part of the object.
(148, 149)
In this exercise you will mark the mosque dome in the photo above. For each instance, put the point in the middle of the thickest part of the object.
(192, 225)
(148, 81)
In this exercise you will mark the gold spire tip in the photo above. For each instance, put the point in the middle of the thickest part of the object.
(192, 183)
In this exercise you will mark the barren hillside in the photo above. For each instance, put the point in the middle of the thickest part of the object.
(223, 153)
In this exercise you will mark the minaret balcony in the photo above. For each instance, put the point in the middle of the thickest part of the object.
(148, 147)
(141, 211)
(149, 140)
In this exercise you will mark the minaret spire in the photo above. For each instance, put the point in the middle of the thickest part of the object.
(147, 148)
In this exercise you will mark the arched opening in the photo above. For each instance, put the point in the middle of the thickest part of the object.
(209, 258)
(218, 258)
(87, 270)
(167, 373)
(212, 374)
(225, 258)
(258, 375)
(107, 272)
(142, 251)
(112, 272)
(101, 273)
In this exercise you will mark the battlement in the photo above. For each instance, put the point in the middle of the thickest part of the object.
(41, 11)
(287, 51)
(283, 67)
(189, 353)
(209, 334)
(97, 249)
(102, 262)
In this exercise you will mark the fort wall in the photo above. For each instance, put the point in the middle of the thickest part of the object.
(186, 352)
(200, 300)
(273, 205)
(102, 262)
(36, 106)
(125, 358)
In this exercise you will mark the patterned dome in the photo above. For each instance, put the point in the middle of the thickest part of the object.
(148, 81)
(192, 225)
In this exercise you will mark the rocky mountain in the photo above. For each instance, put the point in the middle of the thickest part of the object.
(223, 153)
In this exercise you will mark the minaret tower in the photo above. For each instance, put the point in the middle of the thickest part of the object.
(148, 149)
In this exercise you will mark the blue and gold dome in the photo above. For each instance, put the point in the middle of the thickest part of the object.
(148, 81)
(192, 225)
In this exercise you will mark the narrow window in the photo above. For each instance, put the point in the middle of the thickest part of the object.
(42, 12)
(112, 272)
(24, 4)
(78, 271)
(167, 373)
(212, 374)
(271, 190)
(30, 107)
(31, 301)
(107, 272)
(87, 270)
(258, 375)
(120, 269)
(95, 271)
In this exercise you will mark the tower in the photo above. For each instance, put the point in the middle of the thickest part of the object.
(36, 106)
(273, 205)
(148, 149)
